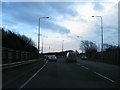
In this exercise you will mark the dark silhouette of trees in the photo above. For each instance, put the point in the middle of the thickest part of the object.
(17, 41)
(88, 47)
(108, 47)
(110, 52)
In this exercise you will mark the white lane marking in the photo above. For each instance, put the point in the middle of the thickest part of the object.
(104, 77)
(32, 76)
(84, 67)
(98, 74)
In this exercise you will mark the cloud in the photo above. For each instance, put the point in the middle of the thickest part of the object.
(111, 28)
(28, 13)
(63, 8)
(30, 10)
(67, 20)
(98, 6)
(59, 29)
(47, 24)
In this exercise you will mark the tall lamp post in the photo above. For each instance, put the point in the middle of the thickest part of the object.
(79, 37)
(101, 34)
(62, 45)
(43, 42)
(80, 40)
(49, 48)
(39, 32)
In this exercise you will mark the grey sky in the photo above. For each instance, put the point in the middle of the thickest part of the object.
(67, 21)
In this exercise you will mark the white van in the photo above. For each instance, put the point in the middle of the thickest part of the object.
(71, 57)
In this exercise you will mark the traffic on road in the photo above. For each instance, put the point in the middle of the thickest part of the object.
(60, 44)
(73, 75)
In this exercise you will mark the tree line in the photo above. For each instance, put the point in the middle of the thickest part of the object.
(16, 41)
(110, 52)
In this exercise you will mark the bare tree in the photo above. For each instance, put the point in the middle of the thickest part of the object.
(17, 41)
(88, 46)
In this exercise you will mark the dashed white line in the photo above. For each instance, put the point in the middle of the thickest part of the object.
(98, 74)
(32, 76)
(104, 77)
(84, 67)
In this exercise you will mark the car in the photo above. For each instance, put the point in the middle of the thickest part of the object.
(51, 58)
(83, 57)
(45, 57)
(71, 57)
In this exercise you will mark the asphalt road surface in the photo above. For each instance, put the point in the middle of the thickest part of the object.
(83, 74)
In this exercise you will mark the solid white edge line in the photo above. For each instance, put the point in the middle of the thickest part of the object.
(104, 77)
(32, 76)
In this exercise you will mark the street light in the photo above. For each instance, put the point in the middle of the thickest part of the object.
(101, 34)
(39, 32)
(62, 45)
(80, 40)
(43, 42)
(49, 48)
